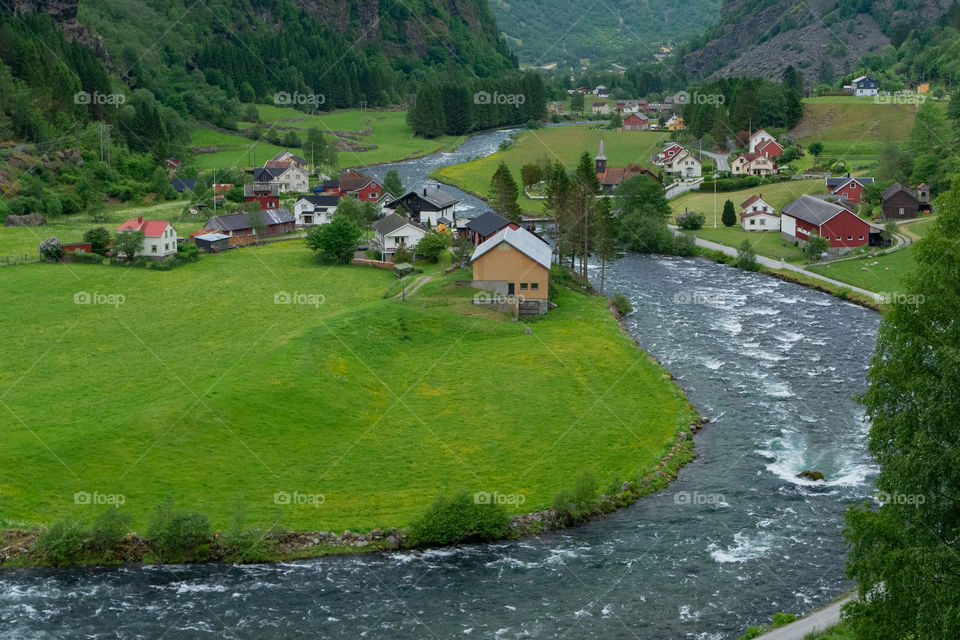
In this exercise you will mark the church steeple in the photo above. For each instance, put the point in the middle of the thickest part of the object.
(600, 162)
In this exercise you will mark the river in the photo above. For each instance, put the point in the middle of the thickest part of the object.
(734, 540)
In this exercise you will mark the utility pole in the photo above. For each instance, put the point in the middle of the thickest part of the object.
(214, 191)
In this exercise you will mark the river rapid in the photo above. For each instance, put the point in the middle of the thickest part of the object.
(737, 538)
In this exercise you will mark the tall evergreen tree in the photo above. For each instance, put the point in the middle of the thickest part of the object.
(503, 194)
(729, 216)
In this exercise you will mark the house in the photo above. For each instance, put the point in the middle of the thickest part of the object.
(611, 177)
(770, 149)
(221, 188)
(173, 164)
(668, 153)
(898, 202)
(555, 107)
(601, 91)
(675, 123)
(313, 210)
(211, 242)
(425, 205)
(600, 109)
(485, 225)
(751, 164)
(289, 179)
(808, 215)
(636, 122)
(159, 236)
(183, 184)
(394, 231)
(923, 198)
(847, 188)
(268, 195)
(862, 86)
(759, 138)
(359, 185)
(684, 165)
(285, 159)
(757, 215)
(77, 247)
(237, 226)
(514, 262)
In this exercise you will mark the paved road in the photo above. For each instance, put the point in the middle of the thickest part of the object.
(779, 264)
(722, 160)
(816, 621)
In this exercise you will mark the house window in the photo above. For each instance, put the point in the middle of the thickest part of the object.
(166, 246)
(374, 195)
(523, 286)
(308, 219)
(860, 238)
(838, 239)
(901, 210)
(849, 238)
(752, 222)
(153, 248)
(763, 221)
(535, 286)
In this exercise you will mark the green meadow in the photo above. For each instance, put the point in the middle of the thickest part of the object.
(343, 409)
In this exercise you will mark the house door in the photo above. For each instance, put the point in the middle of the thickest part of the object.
(510, 288)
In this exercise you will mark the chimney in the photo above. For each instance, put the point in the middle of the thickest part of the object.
(139, 218)
(424, 191)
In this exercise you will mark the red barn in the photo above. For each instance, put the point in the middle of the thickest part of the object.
(847, 188)
(635, 122)
(361, 186)
(808, 216)
(268, 195)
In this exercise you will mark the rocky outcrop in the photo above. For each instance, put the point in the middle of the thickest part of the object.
(816, 476)
(64, 13)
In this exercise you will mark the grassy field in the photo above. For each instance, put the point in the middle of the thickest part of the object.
(777, 195)
(199, 386)
(388, 130)
(853, 128)
(881, 274)
(769, 244)
(556, 143)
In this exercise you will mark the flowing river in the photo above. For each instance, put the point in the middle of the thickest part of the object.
(737, 538)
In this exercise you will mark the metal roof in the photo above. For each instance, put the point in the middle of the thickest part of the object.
(812, 210)
(520, 239)
(388, 224)
(487, 223)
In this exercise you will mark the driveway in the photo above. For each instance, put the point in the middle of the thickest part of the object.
(722, 160)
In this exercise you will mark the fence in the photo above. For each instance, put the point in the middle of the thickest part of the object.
(22, 258)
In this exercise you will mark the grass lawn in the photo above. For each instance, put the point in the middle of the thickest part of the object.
(200, 387)
(884, 276)
(765, 243)
(776, 194)
(388, 130)
(557, 143)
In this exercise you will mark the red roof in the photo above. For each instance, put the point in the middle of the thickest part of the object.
(749, 201)
(151, 228)
(634, 116)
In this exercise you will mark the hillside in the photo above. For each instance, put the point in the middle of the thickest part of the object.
(621, 31)
(823, 39)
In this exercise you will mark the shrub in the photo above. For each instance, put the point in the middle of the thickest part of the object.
(402, 254)
(533, 123)
(85, 258)
(782, 619)
(61, 543)
(690, 220)
(109, 528)
(747, 257)
(622, 304)
(684, 245)
(459, 518)
(50, 249)
(579, 501)
(373, 254)
(175, 533)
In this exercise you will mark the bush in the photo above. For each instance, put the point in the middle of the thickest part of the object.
(459, 518)
(61, 543)
(579, 501)
(622, 304)
(109, 528)
(684, 245)
(50, 249)
(175, 533)
(782, 619)
(85, 258)
(690, 220)
(402, 254)
(533, 123)
(373, 254)
(747, 257)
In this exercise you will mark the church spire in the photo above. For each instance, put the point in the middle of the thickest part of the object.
(600, 162)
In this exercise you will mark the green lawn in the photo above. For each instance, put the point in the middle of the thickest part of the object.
(777, 195)
(388, 130)
(765, 243)
(200, 387)
(853, 128)
(884, 276)
(565, 144)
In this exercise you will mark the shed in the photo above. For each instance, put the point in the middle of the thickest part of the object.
(404, 269)
(212, 242)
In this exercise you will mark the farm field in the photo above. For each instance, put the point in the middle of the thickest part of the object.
(765, 243)
(565, 144)
(201, 387)
(853, 128)
(881, 274)
(388, 130)
(777, 194)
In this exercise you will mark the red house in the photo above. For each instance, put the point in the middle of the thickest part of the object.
(808, 216)
(362, 187)
(635, 122)
(847, 188)
(770, 149)
(268, 195)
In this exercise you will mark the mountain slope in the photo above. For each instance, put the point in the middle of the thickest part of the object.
(625, 31)
(823, 39)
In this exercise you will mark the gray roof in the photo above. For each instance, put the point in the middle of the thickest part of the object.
(892, 190)
(520, 239)
(248, 189)
(812, 210)
(389, 224)
(183, 184)
(321, 201)
(432, 195)
(237, 221)
(212, 237)
(834, 182)
(266, 175)
(487, 223)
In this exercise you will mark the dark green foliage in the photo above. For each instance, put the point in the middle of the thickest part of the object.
(177, 534)
(644, 212)
(127, 244)
(459, 518)
(816, 245)
(782, 619)
(99, 239)
(579, 501)
(392, 183)
(50, 249)
(747, 257)
(109, 529)
(622, 304)
(432, 245)
(690, 220)
(729, 216)
(504, 193)
(748, 103)
(335, 242)
(61, 543)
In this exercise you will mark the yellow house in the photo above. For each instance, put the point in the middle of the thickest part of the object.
(513, 264)
(676, 124)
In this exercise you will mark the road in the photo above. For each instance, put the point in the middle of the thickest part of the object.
(722, 160)
(814, 622)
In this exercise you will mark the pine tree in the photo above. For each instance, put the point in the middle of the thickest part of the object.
(503, 194)
(729, 216)
(604, 237)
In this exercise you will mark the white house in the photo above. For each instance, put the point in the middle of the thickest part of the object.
(314, 210)
(684, 165)
(751, 164)
(394, 231)
(758, 138)
(757, 215)
(862, 86)
(159, 236)
(289, 179)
